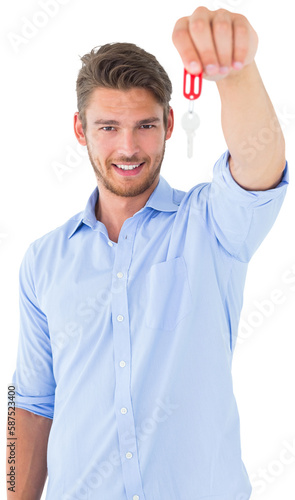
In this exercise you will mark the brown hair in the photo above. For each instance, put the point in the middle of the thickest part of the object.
(121, 66)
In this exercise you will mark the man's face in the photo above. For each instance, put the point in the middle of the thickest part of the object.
(125, 128)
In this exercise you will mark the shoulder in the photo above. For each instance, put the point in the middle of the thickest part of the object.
(56, 239)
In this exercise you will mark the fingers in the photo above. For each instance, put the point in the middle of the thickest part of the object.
(183, 42)
(214, 41)
(201, 34)
(222, 31)
(241, 41)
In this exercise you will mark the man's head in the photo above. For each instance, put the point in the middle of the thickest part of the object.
(121, 66)
(124, 117)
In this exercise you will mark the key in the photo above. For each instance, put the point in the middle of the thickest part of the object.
(190, 123)
(192, 87)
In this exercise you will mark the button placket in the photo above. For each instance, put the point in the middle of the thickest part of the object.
(122, 354)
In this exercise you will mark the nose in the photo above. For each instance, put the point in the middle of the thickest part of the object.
(128, 143)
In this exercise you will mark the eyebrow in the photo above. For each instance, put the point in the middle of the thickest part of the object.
(146, 121)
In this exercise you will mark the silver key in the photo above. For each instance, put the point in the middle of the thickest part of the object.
(190, 123)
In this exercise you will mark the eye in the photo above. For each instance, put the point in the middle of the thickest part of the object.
(107, 129)
(147, 127)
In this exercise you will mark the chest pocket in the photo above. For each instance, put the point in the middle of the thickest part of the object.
(169, 297)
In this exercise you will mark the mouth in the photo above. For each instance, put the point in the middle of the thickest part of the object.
(128, 169)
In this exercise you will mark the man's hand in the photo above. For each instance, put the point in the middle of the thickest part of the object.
(218, 42)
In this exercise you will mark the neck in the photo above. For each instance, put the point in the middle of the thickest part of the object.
(112, 210)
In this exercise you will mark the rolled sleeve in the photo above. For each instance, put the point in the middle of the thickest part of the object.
(33, 378)
(241, 219)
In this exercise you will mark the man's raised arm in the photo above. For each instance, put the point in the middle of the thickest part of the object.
(251, 130)
(223, 45)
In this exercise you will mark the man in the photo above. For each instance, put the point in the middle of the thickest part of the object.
(130, 310)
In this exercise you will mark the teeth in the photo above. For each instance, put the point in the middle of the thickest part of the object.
(127, 167)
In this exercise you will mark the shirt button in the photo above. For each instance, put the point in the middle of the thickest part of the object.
(120, 275)
(128, 454)
(120, 317)
(124, 411)
(135, 497)
(110, 244)
(122, 364)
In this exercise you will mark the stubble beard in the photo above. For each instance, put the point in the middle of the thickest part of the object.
(129, 190)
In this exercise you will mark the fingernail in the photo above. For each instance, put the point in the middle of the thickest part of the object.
(238, 65)
(195, 67)
(223, 69)
(211, 69)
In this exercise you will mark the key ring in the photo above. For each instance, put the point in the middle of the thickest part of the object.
(189, 85)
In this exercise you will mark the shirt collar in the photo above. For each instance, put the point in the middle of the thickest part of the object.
(162, 199)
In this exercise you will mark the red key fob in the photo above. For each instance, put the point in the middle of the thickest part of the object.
(192, 85)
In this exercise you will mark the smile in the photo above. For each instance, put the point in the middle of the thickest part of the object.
(128, 167)
(129, 170)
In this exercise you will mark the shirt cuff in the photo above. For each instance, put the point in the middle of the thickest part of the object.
(223, 178)
(41, 405)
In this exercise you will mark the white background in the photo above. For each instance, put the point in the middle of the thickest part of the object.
(38, 103)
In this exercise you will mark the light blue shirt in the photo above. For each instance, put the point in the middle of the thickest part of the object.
(128, 346)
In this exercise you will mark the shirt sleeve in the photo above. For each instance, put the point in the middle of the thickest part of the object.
(33, 378)
(239, 219)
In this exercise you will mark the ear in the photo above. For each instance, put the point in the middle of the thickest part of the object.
(170, 124)
(78, 129)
